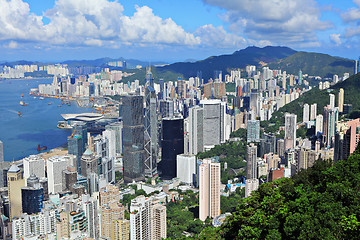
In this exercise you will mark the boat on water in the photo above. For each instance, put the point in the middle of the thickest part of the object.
(41, 98)
(59, 105)
(43, 148)
(34, 97)
(49, 103)
(23, 103)
(22, 95)
(19, 113)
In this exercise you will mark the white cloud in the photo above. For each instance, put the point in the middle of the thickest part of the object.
(89, 22)
(352, 16)
(335, 38)
(218, 37)
(278, 21)
(11, 44)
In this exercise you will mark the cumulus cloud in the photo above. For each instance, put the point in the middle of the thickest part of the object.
(217, 36)
(335, 38)
(352, 16)
(89, 22)
(278, 21)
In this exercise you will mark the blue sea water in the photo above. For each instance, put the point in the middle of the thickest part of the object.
(21, 135)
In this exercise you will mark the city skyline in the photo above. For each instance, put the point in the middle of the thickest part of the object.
(172, 31)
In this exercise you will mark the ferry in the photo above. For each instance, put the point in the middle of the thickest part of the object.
(41, 98)
(23, 103)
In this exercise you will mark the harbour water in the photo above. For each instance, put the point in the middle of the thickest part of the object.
(38, 123)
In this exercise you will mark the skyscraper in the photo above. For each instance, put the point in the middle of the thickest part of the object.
(186, 168)
(34, 164)
(313, 111)
(284, 80)
(319, 124)
(251, 160)
(55, 167)
(172, 144)
(147, 219)
(332, 100)
(15, 179)
(290, 131)
(341, 100)
(150, 126)
(253, 131)
(209, 189)
(133, 138)
(212, 122)
(32, 196)
(196, 137)
(300, 78)
(306, 113)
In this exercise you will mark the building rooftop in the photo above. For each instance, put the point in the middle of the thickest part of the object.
(14, 169)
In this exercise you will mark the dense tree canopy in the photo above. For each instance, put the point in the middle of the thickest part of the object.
(322, 202)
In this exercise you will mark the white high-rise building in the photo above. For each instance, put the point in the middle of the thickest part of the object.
(290, 131)
(1, 152)
(34, 164)
(55, 167)
(319, 124)
(332, 100)
(33, 226)
(335, 78)
(306, 113)
(209, 189)
(109, 135)
(147, 219)
(196, 137)
(212, 122)
(313, 112)
(186, 168)
(90, 208)
(284, 80)
(341, 100)
(250, 186)
(251, 159)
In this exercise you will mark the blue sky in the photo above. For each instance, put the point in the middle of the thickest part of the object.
(173, 30)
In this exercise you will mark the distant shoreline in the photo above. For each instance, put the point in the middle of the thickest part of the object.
(28, 78)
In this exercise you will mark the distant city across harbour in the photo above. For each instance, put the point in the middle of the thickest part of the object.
(23, 128)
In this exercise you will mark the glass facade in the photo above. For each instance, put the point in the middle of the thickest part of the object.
(133, 138)
(32, 200)
(172, 144)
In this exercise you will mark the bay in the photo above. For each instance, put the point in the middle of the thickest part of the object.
(38, 123)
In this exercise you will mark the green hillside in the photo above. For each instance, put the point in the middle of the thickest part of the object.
(224, 63)
(314, 64)
(322, 202)
(351, 88)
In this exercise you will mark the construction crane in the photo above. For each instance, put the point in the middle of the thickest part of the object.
(72, 135)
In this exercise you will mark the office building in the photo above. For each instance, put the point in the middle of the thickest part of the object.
(253, 131)
(147, 219)
(331, 116)
(300, 78)
(290, 131)
(167, 108)
(186, 168)
(69, 179)
(172, 144)
(267, 144)
(212, 123)
(55, 167)
(89, 163)
(209, 189)
(133, 138)
(306, 158)
(117, 128)
(214, 90)
(151, 127)
(306, 113)
(196, 134)
(75, 147)
(34, 164)
(341, 100)
(251, 160)
(71, 223)
(32, 196)
(15, 180)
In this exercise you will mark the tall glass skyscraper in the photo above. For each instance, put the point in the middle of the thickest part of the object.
(172, 144)
(32, 196)
(133, 138)
(151, 127)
